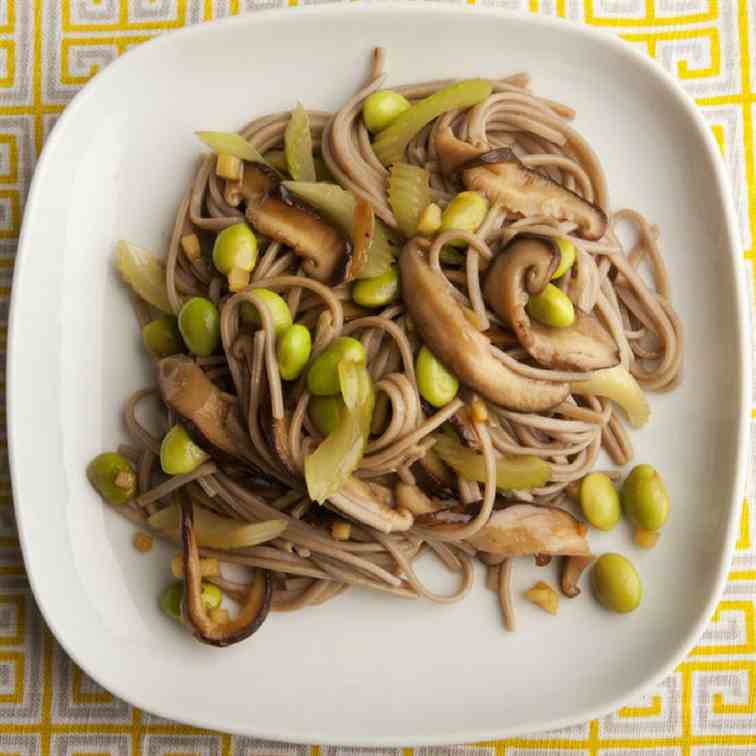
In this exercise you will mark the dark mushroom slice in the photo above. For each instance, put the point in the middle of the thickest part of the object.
(572, 568)
(505, 180)
(464, 350)
(186, 389)
(276, 214)
(523, 268)
(433, 477)
(252, 612)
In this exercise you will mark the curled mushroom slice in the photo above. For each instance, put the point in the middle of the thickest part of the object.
(505, 180)
(185, 388)
(463, 349)
(572, 568)
(524, 268)
(277, 214)
(252, 612)
(371, 504)
(523, 529)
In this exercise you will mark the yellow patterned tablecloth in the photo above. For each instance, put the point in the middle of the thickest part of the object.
(48, 50)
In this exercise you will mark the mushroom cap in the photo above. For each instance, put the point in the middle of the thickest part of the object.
(572, 568)
(524, 267)
(441, 324)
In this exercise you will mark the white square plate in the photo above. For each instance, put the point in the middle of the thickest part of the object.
(363, 669)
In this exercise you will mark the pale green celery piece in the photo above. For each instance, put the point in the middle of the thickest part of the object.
(298, 146)
(408, 195)
(515, 473)
(230, 143)
(390, 144)
(145, 273)
(339, 454)
(617, 384)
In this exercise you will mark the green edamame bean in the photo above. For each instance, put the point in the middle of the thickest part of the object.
(162, 337)
(170, 600)
(326, 412)
(567, 257)
(179, 454)
(235, 247)
(644, 498)
(382, 108)
(199, 324)
(293, 351)
(616, 583)
(113, 477)
(599, 501)
(277, 307)
(323, 375)
(378, 291)
(552, 307)
(464, 213)
(436, 384)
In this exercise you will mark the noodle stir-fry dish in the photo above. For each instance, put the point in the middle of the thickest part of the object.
(405, 328)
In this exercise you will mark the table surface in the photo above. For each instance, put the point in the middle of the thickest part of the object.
(48, 50)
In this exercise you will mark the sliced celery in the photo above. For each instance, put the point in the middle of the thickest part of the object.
(145, 273)
(229, 143)
(617, 384)
(515, 473)
(298, 146)
(218, 532)
(390, 144)
(408, 195)
(338, 456)
(337, 206)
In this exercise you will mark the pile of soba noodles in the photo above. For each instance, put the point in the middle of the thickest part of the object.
(449, 382)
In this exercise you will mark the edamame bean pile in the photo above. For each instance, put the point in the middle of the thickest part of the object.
(408, 327)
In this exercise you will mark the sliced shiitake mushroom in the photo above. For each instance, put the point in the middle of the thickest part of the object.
(462, 348)
(523, 268)
(275, 213)
(518, 530)
(252, 612)
(186, 389)
(505, 180)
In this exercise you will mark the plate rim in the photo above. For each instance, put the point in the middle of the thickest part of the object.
(744, 371)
